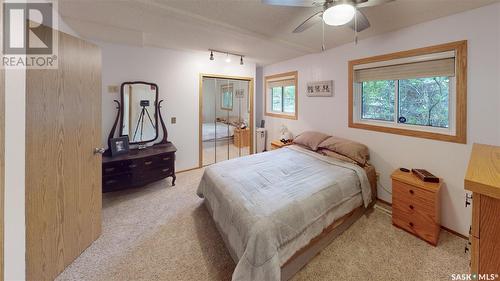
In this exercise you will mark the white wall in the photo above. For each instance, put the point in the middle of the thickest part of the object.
(177, 75)
(14, 228)
(481, 27)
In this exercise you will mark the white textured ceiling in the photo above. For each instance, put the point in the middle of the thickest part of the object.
(261, 32)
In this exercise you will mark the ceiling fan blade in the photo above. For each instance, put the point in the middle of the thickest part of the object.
(362, 24)
(312, 20)
(295, 3)
(371, 3)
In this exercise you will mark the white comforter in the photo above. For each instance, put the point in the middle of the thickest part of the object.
(218, 130)
(261, 202)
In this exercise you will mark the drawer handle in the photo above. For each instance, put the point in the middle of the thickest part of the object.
(109, 169)
(411, 224)
(111, 181)
(132, 165)
(148, 162)
(411, 191)
(166, 158)
(165, 170)
(411, 207)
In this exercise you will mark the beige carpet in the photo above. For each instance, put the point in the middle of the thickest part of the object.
(220, 151)
(165, 233)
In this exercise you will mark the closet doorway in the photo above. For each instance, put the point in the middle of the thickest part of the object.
(226, 118)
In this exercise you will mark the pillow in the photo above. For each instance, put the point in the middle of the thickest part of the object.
(354, 150)
(335, 155)
(310, 139)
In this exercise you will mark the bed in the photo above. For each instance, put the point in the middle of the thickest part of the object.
(276, 210)
(218, 130)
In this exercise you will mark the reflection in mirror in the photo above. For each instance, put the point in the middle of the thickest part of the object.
(225, 119)
(139, 120)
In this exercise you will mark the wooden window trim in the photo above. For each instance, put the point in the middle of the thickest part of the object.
(295, 74)
(460, 48)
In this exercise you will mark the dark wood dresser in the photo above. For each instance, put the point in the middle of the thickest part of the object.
(139, 167)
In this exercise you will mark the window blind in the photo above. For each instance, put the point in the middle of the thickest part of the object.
(430, 68)
(281, 83)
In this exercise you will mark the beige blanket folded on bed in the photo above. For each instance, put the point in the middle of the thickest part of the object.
(263, 201)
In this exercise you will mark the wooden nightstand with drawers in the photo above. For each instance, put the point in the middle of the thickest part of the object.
(415, 206)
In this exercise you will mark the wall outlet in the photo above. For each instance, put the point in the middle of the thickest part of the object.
(173, 120)
(113, 89)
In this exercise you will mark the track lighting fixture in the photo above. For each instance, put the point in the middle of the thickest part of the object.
(228, 56)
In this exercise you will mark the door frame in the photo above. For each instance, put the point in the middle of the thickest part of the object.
(2, 170)
(250, 81)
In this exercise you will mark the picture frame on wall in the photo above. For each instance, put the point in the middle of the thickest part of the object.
(119, 146)
(320, 88)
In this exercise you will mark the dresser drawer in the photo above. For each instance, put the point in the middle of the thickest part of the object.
(116, 182)
(418, 223)
(413, 198)
(165, 159)
(111, 168)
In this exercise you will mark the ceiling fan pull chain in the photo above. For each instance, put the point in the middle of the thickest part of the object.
(356, 27)
(323, 48)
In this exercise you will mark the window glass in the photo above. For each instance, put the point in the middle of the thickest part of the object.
(277, 99)
(424, 101)
(289, 99)
(377, 98)
(227, 100)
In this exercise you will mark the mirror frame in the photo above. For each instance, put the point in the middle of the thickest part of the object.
(123, 110)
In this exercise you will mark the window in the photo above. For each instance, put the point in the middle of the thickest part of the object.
(420, 101)
(281, 95)
(277, 99)
(419, 93)
(378, 100)
(424, 101)
(227, 98)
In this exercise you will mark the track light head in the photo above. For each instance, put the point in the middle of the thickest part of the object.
(228, 59)
(241, 60)
(211, 55)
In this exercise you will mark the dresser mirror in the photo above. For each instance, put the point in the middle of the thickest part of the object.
(139, 115)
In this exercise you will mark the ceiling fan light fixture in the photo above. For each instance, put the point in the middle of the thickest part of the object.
(339, 14)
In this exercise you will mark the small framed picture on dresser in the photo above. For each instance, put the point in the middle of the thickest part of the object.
(119, 146)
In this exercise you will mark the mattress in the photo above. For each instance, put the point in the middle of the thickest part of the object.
(218, 130)
(269, 205)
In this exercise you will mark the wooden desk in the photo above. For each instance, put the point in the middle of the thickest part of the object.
(483, 179)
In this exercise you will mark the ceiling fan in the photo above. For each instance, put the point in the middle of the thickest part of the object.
(334, 12)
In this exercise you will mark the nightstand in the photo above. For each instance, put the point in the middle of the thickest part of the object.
(276, 144)
(242, 137)
(415, 206)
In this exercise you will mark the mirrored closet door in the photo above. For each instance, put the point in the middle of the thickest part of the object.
(226, 125)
